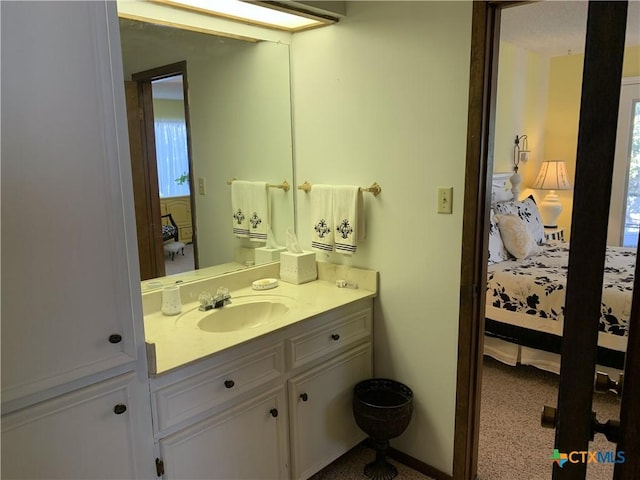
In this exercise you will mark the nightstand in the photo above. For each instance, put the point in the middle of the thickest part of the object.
(554, 234)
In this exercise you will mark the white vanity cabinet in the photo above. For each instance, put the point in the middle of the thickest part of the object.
(71, 308)
(247, 440)
(241, 413)
(83, 434)
(320, 404)
(66, 284)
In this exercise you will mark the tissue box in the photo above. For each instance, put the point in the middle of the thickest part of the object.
(298, 267)
(268, 255)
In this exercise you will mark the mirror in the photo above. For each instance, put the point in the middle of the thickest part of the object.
(240, 127)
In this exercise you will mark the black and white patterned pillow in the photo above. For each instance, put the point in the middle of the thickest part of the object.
(528, 211)
(497, 252)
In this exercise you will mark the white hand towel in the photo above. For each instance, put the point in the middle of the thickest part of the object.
(322, 218)
(240, 198)
(348, 218)
(259, 212)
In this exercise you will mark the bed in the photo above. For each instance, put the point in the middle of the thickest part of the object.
(525, 296)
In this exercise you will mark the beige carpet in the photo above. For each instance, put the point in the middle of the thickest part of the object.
(180, 263)
(513, 445)
(351, 465)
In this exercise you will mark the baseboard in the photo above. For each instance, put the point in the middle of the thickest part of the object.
(417, 465)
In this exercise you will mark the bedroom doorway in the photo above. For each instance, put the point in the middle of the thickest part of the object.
(486, 26)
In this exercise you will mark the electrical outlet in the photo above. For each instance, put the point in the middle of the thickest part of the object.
(445, 199)
(202, 186)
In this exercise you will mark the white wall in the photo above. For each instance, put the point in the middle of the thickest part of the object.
(382, 96)
(521, 109)
(242, 126)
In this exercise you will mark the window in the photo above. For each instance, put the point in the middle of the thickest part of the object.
(632, 211)
(172, 158)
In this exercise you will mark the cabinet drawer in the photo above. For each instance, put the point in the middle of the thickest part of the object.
(203, 392)
(328, 338)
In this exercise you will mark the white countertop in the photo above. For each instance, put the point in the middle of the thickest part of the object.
(177, 343)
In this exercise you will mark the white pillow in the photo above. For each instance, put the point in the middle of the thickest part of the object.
(500, 192)
(516, 237)
(527, 211)
(497, 252)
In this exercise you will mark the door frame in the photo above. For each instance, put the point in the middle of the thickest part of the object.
(150, 258)
(485, 36)
(482, 96)
(143, 80)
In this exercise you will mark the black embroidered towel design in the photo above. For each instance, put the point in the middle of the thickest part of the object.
(321, 197)
(239, 207)
(255, 232)
(247, 197)
(322, 229)
(259, 219)
(239, 222)
(348, 218)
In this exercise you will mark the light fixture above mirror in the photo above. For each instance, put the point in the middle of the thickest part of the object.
(287, 16)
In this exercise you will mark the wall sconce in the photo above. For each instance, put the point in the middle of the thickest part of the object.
(519, 155)
(552, 177)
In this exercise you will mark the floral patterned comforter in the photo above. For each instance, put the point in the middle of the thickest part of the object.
(536, 286)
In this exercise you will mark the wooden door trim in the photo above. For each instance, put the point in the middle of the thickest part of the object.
(481, 95)
(144, 188)
(144, 80)
(192, 194)
(600, 100)
(482, 84)
(145, 95)
(629, 412)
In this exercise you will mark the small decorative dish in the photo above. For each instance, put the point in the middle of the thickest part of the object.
(265, 284)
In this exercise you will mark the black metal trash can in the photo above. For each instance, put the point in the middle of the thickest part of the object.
(382, 409)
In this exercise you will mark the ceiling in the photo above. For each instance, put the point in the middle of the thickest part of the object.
(553, 28)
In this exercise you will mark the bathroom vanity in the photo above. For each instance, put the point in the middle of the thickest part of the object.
(272, 400)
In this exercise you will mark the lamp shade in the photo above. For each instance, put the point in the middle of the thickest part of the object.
(552, 176)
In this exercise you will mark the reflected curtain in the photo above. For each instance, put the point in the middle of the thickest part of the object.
(172, 158)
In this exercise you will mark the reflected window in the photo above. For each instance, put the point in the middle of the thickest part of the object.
(632, 214)
(172, 158)
(171, 136)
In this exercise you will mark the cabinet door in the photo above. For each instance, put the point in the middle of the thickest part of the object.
(246, 441)
(81, 435)
(67, 224)
(320, 402)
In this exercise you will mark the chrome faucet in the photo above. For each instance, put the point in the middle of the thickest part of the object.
(209, 301)
(222, 297)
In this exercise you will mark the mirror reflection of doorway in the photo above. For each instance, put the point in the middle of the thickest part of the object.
(161, 164)
(173, 170)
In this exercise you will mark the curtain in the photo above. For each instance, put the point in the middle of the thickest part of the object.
(172, 158)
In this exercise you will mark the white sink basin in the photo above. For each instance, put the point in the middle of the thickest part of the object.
(241, 314)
